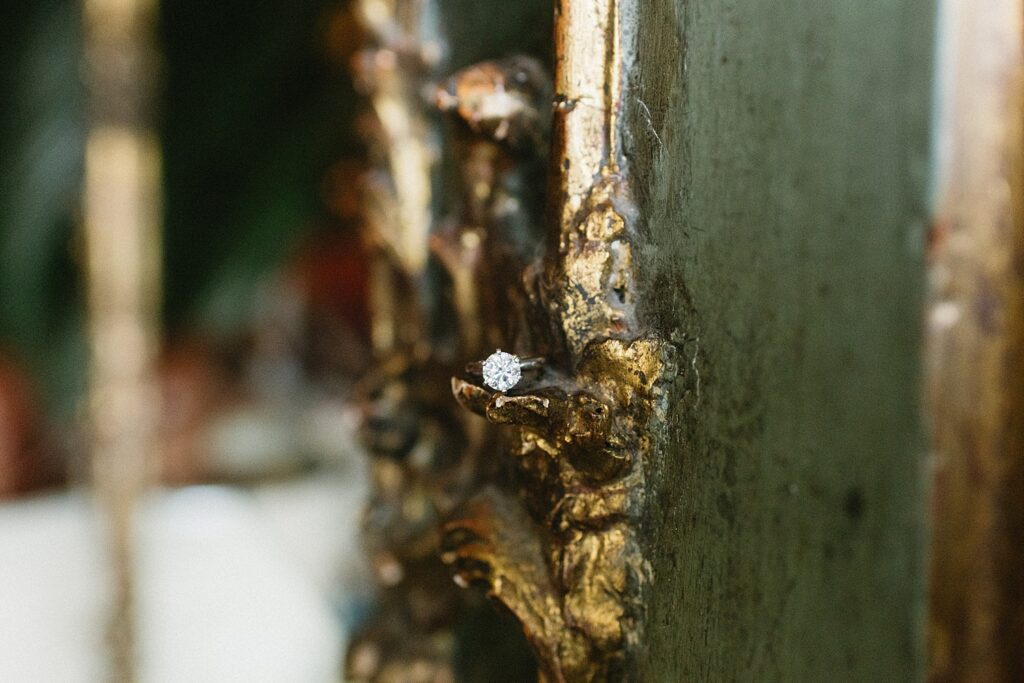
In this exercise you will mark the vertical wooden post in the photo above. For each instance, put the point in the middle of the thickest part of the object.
(976, 346)
(122, 217)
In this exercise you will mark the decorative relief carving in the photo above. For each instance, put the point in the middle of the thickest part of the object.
(560, 547)
(541, 503)
(422, 460)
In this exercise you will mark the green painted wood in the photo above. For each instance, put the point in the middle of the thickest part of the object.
(781, 153)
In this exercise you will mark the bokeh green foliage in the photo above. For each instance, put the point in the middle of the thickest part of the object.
(253, 111)
(41, 141)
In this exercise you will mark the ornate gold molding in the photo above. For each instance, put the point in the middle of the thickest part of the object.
(559, 547)
(540, 502)
(420, 458)
(975, 346)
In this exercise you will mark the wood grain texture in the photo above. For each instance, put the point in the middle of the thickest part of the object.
(975, 347)
(781, 157)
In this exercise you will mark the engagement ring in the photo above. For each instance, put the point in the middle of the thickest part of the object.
(502, 371)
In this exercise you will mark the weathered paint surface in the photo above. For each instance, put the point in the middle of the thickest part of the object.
(781, 152)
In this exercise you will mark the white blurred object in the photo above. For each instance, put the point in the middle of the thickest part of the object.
(316, 521)
(52, 592)
(221, 601)
(232, 586)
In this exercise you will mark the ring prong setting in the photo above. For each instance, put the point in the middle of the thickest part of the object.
(502, 371)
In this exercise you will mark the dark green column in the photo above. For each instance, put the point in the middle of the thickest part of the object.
(781, 151)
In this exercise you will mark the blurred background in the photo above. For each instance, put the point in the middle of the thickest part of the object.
(247, 561)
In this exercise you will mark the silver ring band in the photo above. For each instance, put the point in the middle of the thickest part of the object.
(532, 363)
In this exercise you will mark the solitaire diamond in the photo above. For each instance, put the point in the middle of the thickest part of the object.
(502, 371)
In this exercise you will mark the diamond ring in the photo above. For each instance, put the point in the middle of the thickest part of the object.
(502, 371)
